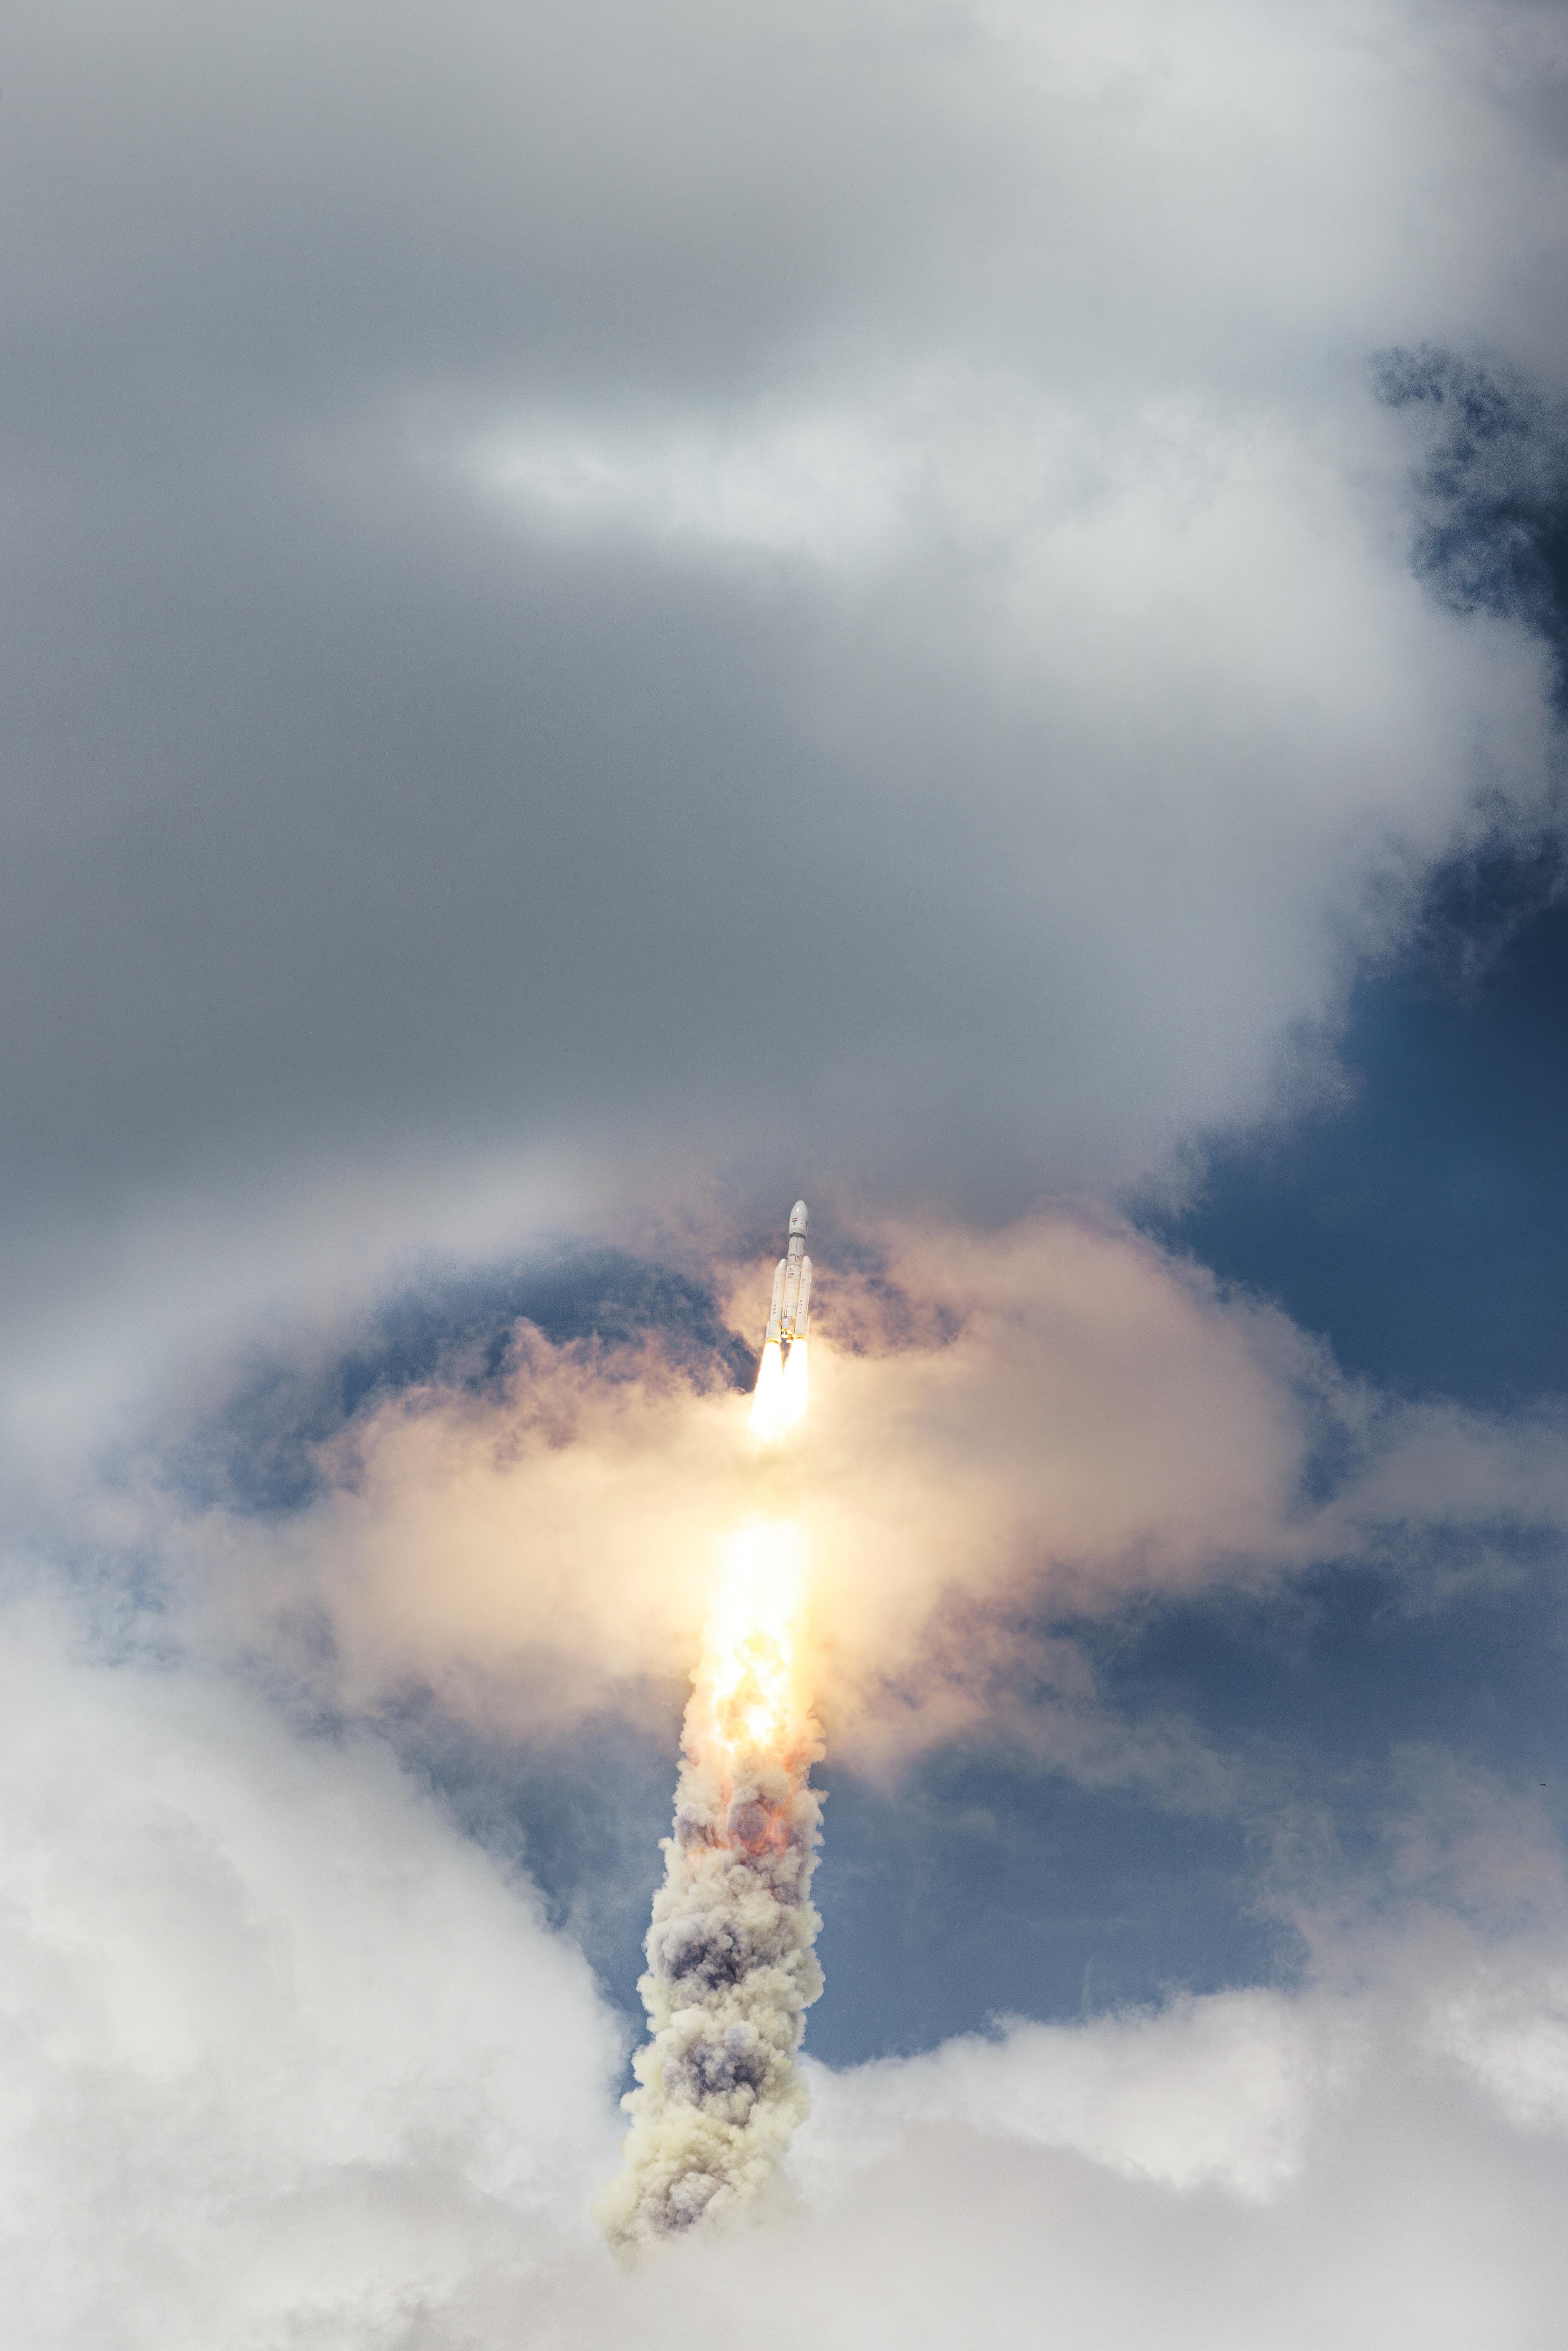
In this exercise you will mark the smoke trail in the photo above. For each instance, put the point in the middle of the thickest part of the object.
(731, 1969)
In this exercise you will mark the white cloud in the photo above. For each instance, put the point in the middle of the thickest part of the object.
(804, 486)
(1218, 2092)
(289, 2061)
(1507, 2025)
(285, 2058)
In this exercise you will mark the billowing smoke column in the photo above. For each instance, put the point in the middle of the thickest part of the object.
(731, 1969)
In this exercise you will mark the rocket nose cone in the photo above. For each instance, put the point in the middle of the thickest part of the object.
(798, 1218)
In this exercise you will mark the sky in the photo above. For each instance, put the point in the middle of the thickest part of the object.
(612, 617)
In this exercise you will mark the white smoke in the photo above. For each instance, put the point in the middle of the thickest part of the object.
(731, 1968)
(731, 1972)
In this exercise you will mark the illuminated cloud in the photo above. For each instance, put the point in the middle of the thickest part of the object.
(1013, 1435)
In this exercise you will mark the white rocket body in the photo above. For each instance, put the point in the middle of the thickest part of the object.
(790, 1316)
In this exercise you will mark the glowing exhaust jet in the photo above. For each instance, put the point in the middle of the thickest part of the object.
(790, 1316)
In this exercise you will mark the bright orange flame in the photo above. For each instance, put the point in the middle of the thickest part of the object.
(749, 1673)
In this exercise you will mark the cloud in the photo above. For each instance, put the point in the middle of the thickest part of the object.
(1494, 488)
(1053, 1420)
(606, 601)
(285, 2056)
(1413, 2203)
(1350, 2156)
(1217, 2092)
(289, 2058)
(608, 609)
(1016, 1437)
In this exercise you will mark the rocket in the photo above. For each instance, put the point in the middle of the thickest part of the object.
(778, 1399)
(790, 1316)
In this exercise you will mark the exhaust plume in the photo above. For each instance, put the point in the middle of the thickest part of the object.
(731, 1967)
(768, 1396)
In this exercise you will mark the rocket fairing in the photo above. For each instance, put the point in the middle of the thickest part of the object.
(790, 1316)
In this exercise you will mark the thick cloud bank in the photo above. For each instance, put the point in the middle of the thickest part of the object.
(599, 594)
(288, 2060)
(285, 2059)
